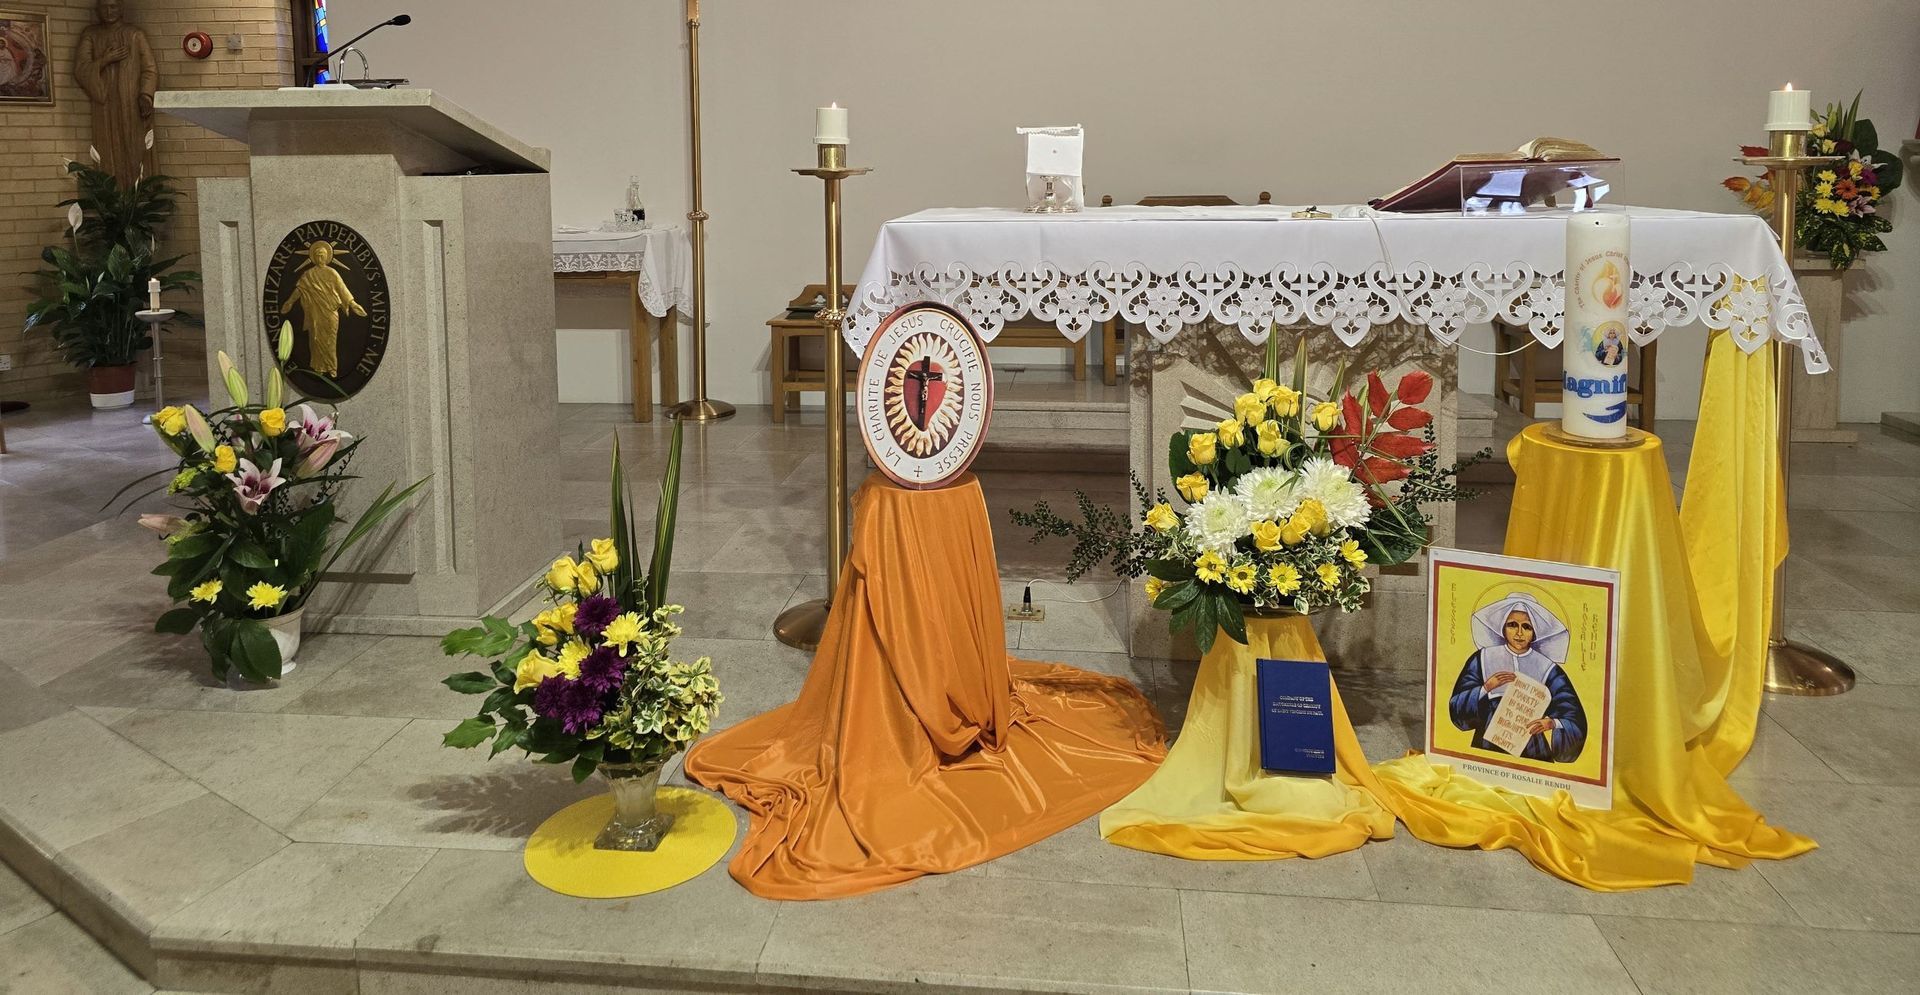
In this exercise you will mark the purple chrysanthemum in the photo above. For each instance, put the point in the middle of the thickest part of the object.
(603, 669)
(594, 614)
(571, 703)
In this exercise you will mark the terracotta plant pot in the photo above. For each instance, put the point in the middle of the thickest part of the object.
(110, 386)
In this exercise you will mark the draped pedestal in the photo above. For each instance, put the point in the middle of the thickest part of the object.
(1211, 800)
(1672, 807)
(917, 744)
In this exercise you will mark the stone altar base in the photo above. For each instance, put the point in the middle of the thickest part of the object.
(1192, 381)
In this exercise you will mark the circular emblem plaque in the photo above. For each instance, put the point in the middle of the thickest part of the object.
(924, 396)
(325, 279)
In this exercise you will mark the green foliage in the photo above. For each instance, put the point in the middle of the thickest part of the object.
(1100, 534)
(93, 288)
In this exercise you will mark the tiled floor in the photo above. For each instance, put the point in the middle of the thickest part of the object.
(323, 814)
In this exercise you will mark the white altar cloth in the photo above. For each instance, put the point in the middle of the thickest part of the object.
(1165, 268)
(662, 257)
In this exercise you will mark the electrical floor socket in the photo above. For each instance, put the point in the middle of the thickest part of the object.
(1026, 612)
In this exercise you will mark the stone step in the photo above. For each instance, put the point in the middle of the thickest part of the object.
(1055, 450)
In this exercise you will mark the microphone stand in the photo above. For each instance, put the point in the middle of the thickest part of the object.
(323, 58)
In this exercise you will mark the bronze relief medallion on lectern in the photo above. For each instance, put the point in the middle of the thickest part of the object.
(327, 282)
(924, 395)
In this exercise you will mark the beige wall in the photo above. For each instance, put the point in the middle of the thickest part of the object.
(1315, 102)
(35, 140)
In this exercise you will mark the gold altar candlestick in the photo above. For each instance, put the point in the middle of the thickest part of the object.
(802, 624)
(699, 407)
(1792, 668)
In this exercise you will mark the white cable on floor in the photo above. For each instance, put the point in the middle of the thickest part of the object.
(1117, 588)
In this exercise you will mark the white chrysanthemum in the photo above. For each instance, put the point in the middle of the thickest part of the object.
(1217, 521)
(1269, 492)
(1330, 484)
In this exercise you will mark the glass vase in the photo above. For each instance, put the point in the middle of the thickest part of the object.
(637, 823)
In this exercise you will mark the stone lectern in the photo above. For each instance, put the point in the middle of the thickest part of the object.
(408, 245)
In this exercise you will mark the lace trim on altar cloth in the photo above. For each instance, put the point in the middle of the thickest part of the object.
(1750, 309)
(658, 300)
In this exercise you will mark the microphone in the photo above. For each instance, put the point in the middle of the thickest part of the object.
(397, 20)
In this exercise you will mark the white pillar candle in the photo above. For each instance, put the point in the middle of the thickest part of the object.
(830, 125)
(1593, 400)
(1789, 109)
(153, 294)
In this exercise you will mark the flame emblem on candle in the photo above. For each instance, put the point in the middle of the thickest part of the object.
(1607, 286)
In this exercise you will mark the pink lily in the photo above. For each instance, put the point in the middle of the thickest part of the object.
(317, 458)
(252, 485)
(166, 525)
(311, 429)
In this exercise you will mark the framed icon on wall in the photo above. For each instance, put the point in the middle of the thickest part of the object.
(26, 63)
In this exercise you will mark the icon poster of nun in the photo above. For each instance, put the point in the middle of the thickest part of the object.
(1521, 669)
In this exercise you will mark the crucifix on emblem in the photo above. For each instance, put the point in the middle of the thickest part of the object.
(932, 388)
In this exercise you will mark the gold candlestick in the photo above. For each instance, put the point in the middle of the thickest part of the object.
(802, 624)
(699, 407)
(1792, 668)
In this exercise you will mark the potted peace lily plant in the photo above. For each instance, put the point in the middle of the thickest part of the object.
(99, 281)
(260, 488)
(589, 681)
(1285, 503)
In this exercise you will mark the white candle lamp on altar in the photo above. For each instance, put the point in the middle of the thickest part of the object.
(1054, 181)
(1789, 115)
(1599, 279)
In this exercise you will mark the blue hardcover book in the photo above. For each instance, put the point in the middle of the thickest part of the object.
(1296, 715)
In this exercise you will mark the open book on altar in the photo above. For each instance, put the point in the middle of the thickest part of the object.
(1441, 190)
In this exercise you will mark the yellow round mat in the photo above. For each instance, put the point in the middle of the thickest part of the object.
(561, 856)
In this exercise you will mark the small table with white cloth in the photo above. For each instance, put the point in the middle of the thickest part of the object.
(654, 265)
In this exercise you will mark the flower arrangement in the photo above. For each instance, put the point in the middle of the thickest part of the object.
(260, 486)
(1286, 503)
(589, 681)
(1836, 212)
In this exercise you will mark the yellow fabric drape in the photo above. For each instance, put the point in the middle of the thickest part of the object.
(1211, 801)
(1733, 515)
(1672, 806)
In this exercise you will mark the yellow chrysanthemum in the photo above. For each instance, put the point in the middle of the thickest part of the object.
(1249, 408)
(224, 460)
(263, 595)
(1283, 578)
(1154, 586)
(1161, 518)
(1352, 553)
(1329, 575)
(1230, 433)
(1828, 175)
(1200, 448)
(1325, 414)
(1854, 168)
(1824, 189)
(1266, 536)
(570, 656)
(1286, 402)
(561, 576)
(273, 421)
(171, 420)
(206, 591)
(1193, 487)
(1210, 568)
(1268, 433)
(622, 632)
(603, 556)
(1242, 577)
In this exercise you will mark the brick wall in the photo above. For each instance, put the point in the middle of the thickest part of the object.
(34, 140)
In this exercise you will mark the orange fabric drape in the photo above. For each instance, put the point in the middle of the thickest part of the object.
(917, 744)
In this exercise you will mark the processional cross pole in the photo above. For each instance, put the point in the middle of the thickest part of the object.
(699, 407)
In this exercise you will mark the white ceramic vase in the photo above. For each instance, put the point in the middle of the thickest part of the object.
(286, 634)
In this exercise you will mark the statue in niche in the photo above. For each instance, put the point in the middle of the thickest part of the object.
(115, 67)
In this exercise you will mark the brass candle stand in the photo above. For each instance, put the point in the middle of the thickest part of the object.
(802, 625)
(699, 407)
(1792, 668)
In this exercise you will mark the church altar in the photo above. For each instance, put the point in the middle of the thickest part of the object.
(1395, 290)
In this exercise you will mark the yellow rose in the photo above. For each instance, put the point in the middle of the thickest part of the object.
(1329, 575)
(1241, 578)
(1269, 435)
(224, 461)
(206, 591)
(1200, 448)
(1352, 553)
(533, 669)
(586, 580)
(603, 556)
(1210, 568)
(563, 617)
(1314, 515)
(570, 656)
(1249, 408)
(1286, 402)
(1154, 586)
(1266, 536)
(273, 421)
(1229, 433)
(622, 632)
(1193, 487)
(171, 420)
(1294, 532)
(1325, 414)
(561, 575)
(1162, 519)
(1283, 578)
(263, 595)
